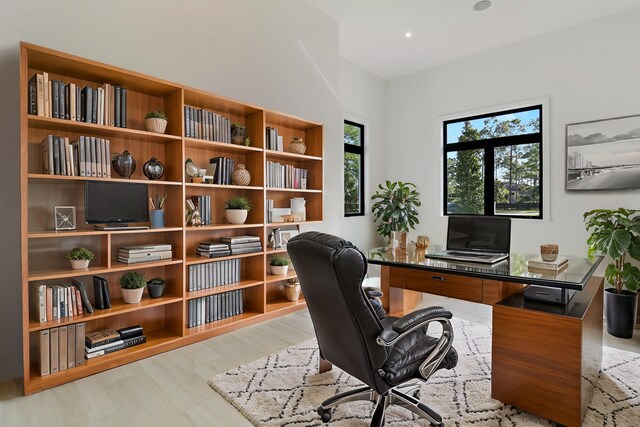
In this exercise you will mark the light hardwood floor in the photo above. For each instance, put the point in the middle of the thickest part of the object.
(171, 389)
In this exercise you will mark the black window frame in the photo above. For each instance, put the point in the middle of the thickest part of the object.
(488, 146)
(359, 150)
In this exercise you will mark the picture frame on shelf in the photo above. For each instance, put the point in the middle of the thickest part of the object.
(603, 154)
(64, 218)
(283, 235)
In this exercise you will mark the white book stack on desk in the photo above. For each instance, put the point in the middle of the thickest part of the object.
(558, 265)
(145, 253)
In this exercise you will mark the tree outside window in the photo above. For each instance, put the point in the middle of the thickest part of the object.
(353, 169)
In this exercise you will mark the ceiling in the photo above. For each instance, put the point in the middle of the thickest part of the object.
(371, 31)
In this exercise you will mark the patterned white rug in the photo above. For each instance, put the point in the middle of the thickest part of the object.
(284, 389)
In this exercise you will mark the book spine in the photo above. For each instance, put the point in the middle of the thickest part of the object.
(79, 344)
(71, 346)
(62, 348)
(41, 90)
(62, 109)
(53, 353)
(55, 102)
(47, 94)
(44, 341)
(97, 293)
(94, 106)
(33, 95)
(123, 108)
(79, 98)
(106, 296)
(117, 105)
(72, 101)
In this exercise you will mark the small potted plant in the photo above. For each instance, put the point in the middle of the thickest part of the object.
(279, 265)
(155, 121)
(237, 209)
(239, 134)
(132, 284)
(155, 287)
(80, 258)
(292, 290)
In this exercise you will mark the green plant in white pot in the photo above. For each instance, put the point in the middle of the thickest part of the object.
(237, 209)
(617, 233)
(80, 258)
(132, 284)
(395, 209)
(279, 265)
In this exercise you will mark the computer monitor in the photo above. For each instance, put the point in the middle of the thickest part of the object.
(115, 204)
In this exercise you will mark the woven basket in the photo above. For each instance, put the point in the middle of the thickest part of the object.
(155, 125)
(241, 176)
(297, 146)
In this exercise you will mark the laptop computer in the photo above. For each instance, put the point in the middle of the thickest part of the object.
(480, 239)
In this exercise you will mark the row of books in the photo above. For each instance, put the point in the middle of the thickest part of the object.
(204, 124)
(203, 206)
(107, 341)
(49, 302)
(273, 140)
(286, 176)
(145, 253)
(230, 246)
(60, 348)
(224, 170)
(213, 274)
(86, 156)
(215, 307)
(105, 105)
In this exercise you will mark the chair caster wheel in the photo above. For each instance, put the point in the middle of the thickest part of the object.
(325, 414)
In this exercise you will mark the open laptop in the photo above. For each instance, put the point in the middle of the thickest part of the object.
(476, 239)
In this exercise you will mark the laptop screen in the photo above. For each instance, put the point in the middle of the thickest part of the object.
(479, 233)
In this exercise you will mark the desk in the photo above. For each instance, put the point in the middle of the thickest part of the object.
(545, 357)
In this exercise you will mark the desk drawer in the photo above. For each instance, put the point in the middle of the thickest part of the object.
(448, 285)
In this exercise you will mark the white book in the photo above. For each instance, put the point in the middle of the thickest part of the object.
(145, 248)
(72, 101)
(98, 158)
(138, 255)
(47, 94)
(40, 87)
(104, 157)
(38, 300)
(100, 109)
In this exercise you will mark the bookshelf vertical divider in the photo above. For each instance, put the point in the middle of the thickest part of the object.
(165, 319)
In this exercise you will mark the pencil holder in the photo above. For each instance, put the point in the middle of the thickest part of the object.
(156, 217)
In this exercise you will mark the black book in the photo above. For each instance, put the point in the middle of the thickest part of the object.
(94, 105)
(56, 155)
(186, 121)
(130, 332)
(61, 101)
(67, 102)
(231, 165)
(83, 295)
(106, 295)
(98, 295)
(33, 95)
(87, 104)
(55, 102)
(123, 108)
(78, 104)
(116, 106)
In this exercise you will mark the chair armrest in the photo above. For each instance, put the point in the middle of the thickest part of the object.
(371, 292)
(416, 319)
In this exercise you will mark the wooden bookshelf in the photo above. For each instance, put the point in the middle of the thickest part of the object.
(164, 319)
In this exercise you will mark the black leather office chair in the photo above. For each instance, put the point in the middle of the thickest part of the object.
(391, 356)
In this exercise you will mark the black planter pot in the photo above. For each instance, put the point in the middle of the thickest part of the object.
(620, 311)
(155, 291)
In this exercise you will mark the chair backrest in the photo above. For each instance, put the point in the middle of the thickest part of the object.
(331, 271)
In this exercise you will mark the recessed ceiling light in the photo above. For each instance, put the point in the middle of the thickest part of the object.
(408, 35)
(481, 5)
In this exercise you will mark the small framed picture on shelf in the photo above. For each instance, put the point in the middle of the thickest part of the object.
(64, 218)
(283, 234)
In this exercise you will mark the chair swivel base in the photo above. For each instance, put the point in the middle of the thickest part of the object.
(403, 395)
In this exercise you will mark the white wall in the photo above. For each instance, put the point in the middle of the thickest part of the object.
(279, 54)
(588, 72)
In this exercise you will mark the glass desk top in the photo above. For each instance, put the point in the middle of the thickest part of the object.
(513, 269)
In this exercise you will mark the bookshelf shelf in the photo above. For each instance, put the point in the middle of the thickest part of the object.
(282, 224)
(272, 278)
(272, 251)
(164, 320)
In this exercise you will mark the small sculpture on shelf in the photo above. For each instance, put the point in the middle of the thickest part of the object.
(80, 258)
(193, 171)
(193, 216)
(239, 134)
(155, 121)
(124, 164)
(153, 169)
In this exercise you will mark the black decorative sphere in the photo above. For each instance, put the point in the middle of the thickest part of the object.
(153, 169)
(124, 164)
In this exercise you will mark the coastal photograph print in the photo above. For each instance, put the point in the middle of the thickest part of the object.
(604, 154)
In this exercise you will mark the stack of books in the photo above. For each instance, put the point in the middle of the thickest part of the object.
(286, 176)
(213, 250)
(243, 244)
(537, 265)
(107, 341)
(204, 124)
(136, 254)
(60, 348)
(212, 274)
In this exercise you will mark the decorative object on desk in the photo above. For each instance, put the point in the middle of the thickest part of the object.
(155, 121)
(155, 287)
(153, 169)
(64, 217)
(124, 164)
(80, 257)
(538, 263)
(279, 265)
(395, 207)
(156, 214)
(292, 290)
(297, 146)
(283, 235)
(132, 284)
(241, 176)
(239, 134)
(549, 252)
(590, 162)
(422, 244)
(237, 209)
(193, 216)
(617, 233)
(191, 169)
(298, 209)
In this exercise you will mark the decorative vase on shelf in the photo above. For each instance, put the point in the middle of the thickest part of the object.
(297, 146)
(238, 134)
(241, 176)
(124, 164)
(132, 296)
(153, 169)
(79, 264)
(292, 290)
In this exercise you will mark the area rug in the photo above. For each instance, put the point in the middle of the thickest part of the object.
(284, 389)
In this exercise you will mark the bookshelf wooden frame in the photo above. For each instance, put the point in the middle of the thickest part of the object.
(164, 319)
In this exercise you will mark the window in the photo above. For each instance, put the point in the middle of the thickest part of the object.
(353, 169)
(493, 164)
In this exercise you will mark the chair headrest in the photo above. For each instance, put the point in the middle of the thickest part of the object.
(328, 240)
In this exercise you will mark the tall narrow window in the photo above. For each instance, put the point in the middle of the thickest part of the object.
(353, 169)
(493, 164)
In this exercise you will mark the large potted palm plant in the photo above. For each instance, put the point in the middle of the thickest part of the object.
(395, 207)
(617, 233)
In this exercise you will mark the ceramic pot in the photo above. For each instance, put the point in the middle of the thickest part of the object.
(238, 135)
(241, 176)
(153, 169)
(156, 218)
(620, 310)
(237, 216)
(155, 290)
(156, 125)
(292, 292)
(79, 264)
(279, 270)
(549, 252)
(124, 164)
(297, 146)
(132, 296)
